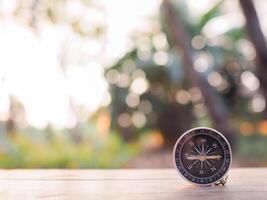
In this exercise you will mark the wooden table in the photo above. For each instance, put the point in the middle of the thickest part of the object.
(243, 183)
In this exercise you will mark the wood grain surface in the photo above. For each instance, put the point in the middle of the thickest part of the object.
(243, 183)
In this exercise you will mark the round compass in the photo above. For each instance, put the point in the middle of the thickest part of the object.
(203, 156)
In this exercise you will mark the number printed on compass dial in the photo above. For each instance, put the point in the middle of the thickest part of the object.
(202, 156)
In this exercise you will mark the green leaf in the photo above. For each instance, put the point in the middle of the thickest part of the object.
(236, 33)
(211, 13)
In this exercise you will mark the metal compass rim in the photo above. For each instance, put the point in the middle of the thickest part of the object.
(174, 153)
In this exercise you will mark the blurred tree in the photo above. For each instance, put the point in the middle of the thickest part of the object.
(217, 110)
(143, 98)
(257, 38)
(173, 89)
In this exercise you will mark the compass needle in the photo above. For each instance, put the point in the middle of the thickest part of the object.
(213, 157)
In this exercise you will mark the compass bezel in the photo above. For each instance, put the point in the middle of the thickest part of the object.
(188, 174)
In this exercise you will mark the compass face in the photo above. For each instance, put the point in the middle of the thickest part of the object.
(202, 156)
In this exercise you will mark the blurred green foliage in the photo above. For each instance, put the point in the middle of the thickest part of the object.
(252, 150)
(44, 150)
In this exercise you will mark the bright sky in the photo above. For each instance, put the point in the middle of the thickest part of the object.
(30, 67)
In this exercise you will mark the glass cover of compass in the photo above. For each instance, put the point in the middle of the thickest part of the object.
(202, 156)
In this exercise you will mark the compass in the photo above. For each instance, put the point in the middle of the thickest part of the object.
(203, 156)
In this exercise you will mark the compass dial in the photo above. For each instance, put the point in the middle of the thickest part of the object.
(202, 156)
